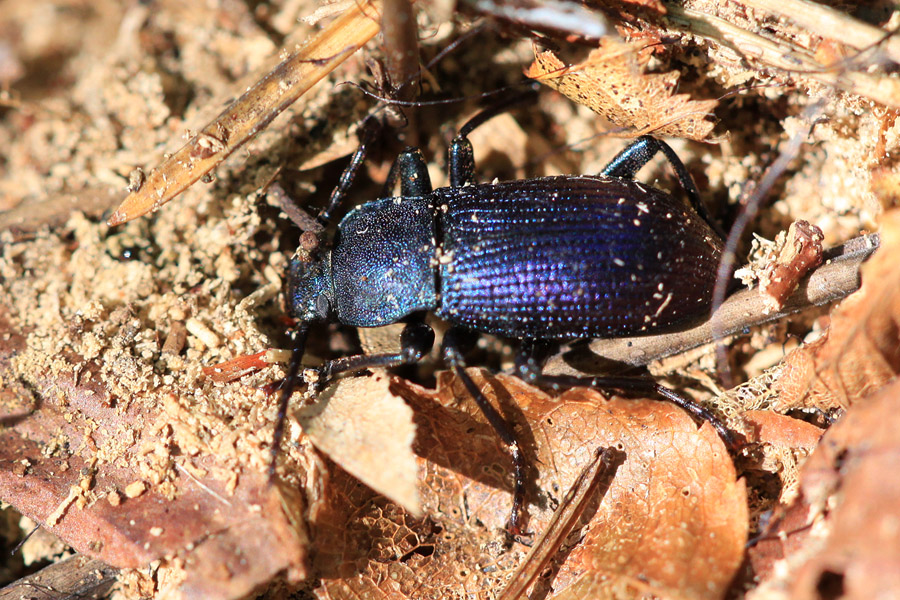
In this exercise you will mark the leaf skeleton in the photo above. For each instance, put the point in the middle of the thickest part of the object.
(538, 260)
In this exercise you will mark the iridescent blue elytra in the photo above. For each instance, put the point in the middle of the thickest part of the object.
(566, 257)
(548, 258)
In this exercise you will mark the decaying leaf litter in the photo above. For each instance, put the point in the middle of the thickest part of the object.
(120, 423)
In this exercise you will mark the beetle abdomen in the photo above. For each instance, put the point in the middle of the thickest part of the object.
(564, 257)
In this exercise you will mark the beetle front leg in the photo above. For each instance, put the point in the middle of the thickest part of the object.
(287, 388)
(453, 357)
(367, 134)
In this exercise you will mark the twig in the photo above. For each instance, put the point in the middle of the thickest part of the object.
(55, 209)
(833, 24)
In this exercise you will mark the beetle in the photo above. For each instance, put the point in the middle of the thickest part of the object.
(538, 260)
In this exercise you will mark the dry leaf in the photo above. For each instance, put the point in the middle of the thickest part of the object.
(861, 350)
(787, 532)
(853, 550)
(612, 83)
(674, 519)
(783, 444)
(768, 427)
(357, 423)
(886, 185)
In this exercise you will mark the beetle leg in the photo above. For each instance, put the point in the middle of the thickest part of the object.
(367, 134)
(635, 384)
(632, 159)
(410, 167)
(287, 388)
(454, 359)
(416, 341)
(460, 157)
(529, 369)
(629, 161)
(530, 360)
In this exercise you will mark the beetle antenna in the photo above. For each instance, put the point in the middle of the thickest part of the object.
(287, 388)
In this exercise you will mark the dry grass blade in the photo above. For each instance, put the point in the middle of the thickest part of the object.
(599, 470)
(253, 110)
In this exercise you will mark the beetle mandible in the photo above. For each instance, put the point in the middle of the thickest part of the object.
(551, 258)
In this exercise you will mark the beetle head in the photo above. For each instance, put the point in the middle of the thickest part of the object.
(310, 286)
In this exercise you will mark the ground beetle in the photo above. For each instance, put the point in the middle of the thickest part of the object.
(552, 258)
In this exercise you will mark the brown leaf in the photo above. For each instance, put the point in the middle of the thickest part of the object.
(780, 430)
(784, 442)
(787, 532)
(853, 549)
(674, 519)
(98, 475)
(886, 185)
(861, 350)
(357, 423)
(612, 83)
